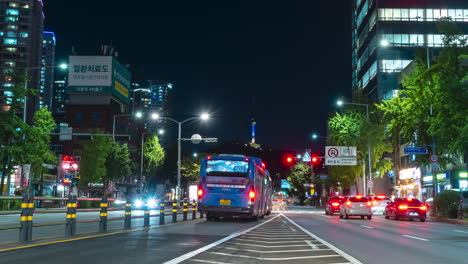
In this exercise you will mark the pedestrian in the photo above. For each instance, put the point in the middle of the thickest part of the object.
(460, 210)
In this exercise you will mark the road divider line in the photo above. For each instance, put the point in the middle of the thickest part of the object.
(269, 242)
(265, 246)
(209, 261)
(460, 231)
(289, 258)
(292, 229)
(216, 243)
(344, 221)
(370, 227)
(337, 250)
(418, 238)
(312, 245)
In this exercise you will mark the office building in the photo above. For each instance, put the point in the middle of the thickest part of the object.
(21, 27)
(45, 92)
(387, 33)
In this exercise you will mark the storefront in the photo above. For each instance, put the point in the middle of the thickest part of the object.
(462, 178)
(409, 183)
(443, 183)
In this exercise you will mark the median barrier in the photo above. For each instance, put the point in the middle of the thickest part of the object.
(27, 211)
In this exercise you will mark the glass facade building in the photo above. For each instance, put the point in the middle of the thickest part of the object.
(47, 72)
(387, 33)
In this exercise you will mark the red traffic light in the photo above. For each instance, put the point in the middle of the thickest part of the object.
(289, 160)
(315, 159)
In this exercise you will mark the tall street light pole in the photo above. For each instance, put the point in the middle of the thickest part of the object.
(340, 103)
(179, 145)
(26, 70)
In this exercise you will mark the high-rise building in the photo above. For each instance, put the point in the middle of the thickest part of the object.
(152, 98)
(21, 27)
(387, 33)
(47, 72)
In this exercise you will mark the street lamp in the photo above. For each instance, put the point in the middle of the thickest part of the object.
(161, 132)
(340, 103)
(62, 66)
(203, 116)
(137, 115)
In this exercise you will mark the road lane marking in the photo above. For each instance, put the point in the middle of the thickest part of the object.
(339, 251)
(208, 261)
(216, 243)
(269, 242)
(460, 231)
(265, 246)
(276, 236)
(290, 258)
(344, 221)
(276, 251)
(418, 238)
(292, 229)
(370, 227)
(312, 245)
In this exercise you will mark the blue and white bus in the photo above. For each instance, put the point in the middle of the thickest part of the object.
(234, 185)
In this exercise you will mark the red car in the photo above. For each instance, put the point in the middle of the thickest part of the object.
(406, 208)
(333, 204)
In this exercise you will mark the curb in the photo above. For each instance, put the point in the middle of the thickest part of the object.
(450, 221)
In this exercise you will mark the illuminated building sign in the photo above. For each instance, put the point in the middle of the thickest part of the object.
(463, 175)
(413, 173)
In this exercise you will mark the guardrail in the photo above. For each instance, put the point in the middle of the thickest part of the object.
(27, 214)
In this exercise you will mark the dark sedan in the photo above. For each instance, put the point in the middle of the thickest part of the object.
(333, 204)
(406, 208)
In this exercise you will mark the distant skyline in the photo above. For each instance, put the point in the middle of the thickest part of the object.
(278, 62)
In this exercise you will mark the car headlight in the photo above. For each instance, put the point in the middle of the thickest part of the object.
(138, 203)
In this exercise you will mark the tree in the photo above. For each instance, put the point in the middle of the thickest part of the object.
(118, 164)
(300, 174)
(154, 154)
(191, 168)
(13, 146)
(94, 154)
(38, 142)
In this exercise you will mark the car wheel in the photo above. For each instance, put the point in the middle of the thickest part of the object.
(362, 217)
(397, 217)
(386, 216)
(369, 217)
(422, 219)
(346, 216)
(341, 216)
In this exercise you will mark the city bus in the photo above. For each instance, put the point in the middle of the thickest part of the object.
(234, 185)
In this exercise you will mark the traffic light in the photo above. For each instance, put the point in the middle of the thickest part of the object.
(315, 160)
(289, 160)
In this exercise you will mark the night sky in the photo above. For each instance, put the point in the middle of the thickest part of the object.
(285, 62)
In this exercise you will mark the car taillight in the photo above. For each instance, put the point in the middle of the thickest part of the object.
(369, 204)
(402, 207)
(335, 204)
(348, 203)
(252, 194)
(358, 197)
(200, 192)
(375, 203)
(423, 208)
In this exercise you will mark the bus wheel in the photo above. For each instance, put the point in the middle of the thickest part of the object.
(262, 216)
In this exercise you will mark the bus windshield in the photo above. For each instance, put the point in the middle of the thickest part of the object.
(228, 168)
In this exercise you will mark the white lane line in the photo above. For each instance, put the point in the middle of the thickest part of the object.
(460, 231)
(277, 236)
(208, 261)
(273, 238)
(269, 242)
(272, 233)
(304, 257)
(337, 250)
(370, 227)
(418, 238)
(275, 251)
(214, 244)
(263, 246)
(344, 221)
(312, 245)
(292, 229)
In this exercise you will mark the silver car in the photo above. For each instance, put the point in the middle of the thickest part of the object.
(356, 206)
(379, 203)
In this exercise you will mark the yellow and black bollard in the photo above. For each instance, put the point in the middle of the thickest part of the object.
(194, 210)
(146, 219)
(103, 215)
(161, 213)
(185, 209)
(70, 226)
(27, 207)
(174, 211)
(128, 215)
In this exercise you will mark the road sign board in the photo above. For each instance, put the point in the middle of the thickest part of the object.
(435, 165)
(306, 157)
(66, 133)
(340, 155)
(415, 150)
(323, 177)
(434, 158)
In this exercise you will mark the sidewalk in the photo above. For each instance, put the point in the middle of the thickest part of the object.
(448, 220)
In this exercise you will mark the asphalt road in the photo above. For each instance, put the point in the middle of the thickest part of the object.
(296, 236)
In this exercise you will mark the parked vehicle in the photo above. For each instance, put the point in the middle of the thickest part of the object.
(406, 208)
(356, 206)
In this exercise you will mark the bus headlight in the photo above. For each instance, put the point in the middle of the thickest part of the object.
(138, 203)
(151, 203)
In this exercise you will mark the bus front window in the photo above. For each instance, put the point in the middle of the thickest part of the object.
(227, 168)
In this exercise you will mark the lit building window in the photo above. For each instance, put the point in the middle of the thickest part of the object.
(11, 4)
(9, 41)
(23, 34)
(10, 49)
(11, 34)
(393, 65)
(11, 19)
(413, 14)
(12, 27)
(12, 12)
